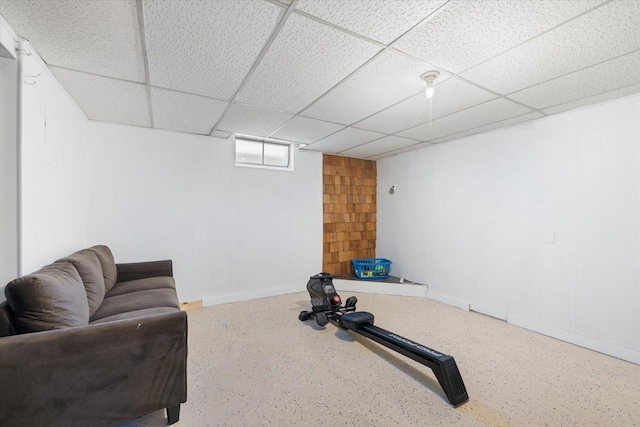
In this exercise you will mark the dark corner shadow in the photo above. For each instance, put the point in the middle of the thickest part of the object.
(400, 363)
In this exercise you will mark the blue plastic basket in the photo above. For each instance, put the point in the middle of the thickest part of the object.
(371, 268)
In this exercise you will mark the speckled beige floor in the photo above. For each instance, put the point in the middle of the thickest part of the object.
(254, 363)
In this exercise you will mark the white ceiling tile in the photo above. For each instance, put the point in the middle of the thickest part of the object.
(343, 140)
(604, 77)
(254, 121)
(100, 37)
(182, 112)
(401, 150)
(388, 79)
(305, 60)
(379, 146)
(504, 123)
(605, 33)
(380, 20)
(450, 96)
(618, 93)
(307, 131)
(525, 49)
(480, 115)
(465, 33)
(106, 99)
(206, 47)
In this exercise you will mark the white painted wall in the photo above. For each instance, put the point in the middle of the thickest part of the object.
(470, 219)
(8, 157)
(53, 173)
(232, 233)
(8, 173)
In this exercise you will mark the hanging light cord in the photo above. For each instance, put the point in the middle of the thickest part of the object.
(430, 100)
(429, 77)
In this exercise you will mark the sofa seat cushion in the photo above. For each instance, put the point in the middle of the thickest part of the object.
(162, 282)
(51, 298)
(136, 313)
(90, 270)
(140, 300)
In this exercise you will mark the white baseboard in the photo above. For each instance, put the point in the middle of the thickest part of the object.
(573, 338)
(401, 289)
(245, 296)
(448, 300)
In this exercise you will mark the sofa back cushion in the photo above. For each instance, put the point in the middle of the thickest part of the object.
(109, 269)
(7, 327)
(90, 270)
(51, 298)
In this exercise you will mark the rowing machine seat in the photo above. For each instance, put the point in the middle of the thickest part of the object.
(355, 319)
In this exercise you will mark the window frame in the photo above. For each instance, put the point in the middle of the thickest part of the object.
(263, 141)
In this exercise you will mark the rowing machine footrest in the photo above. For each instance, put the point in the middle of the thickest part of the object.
(321, 308)
(355, 319)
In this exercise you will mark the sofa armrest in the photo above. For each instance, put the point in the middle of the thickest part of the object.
(94, 375)
(142, 270)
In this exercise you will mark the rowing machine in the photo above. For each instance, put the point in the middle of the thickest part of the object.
(327, 307)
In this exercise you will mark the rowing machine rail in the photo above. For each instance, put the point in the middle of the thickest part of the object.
(443, 366)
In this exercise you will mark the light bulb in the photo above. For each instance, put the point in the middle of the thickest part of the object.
(429, 77)
(430, 90)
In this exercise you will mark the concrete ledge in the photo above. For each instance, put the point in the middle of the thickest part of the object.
(381, 288)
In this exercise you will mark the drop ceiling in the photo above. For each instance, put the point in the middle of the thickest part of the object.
(342, 76)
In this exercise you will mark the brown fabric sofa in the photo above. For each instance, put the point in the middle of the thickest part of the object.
(85, 341)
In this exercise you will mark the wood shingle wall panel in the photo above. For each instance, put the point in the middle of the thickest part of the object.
(349, 212)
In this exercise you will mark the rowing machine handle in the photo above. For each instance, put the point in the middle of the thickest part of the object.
(321, 276)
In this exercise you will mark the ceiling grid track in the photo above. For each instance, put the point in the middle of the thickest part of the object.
(457, 75)
(330, 75)
(506, 96)
(263, 52)
(137, 82)
(337, 27)
(145, 57)
(421, 123)
(538, 35)
(388, 47)
(575, 71)
(96, 75)
(452, 134)
(373, 58)
(586, 97)
(186, 93)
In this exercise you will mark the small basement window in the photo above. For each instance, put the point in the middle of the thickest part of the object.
(263, 154)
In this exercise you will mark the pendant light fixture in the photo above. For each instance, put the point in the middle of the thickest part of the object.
(429, 77)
